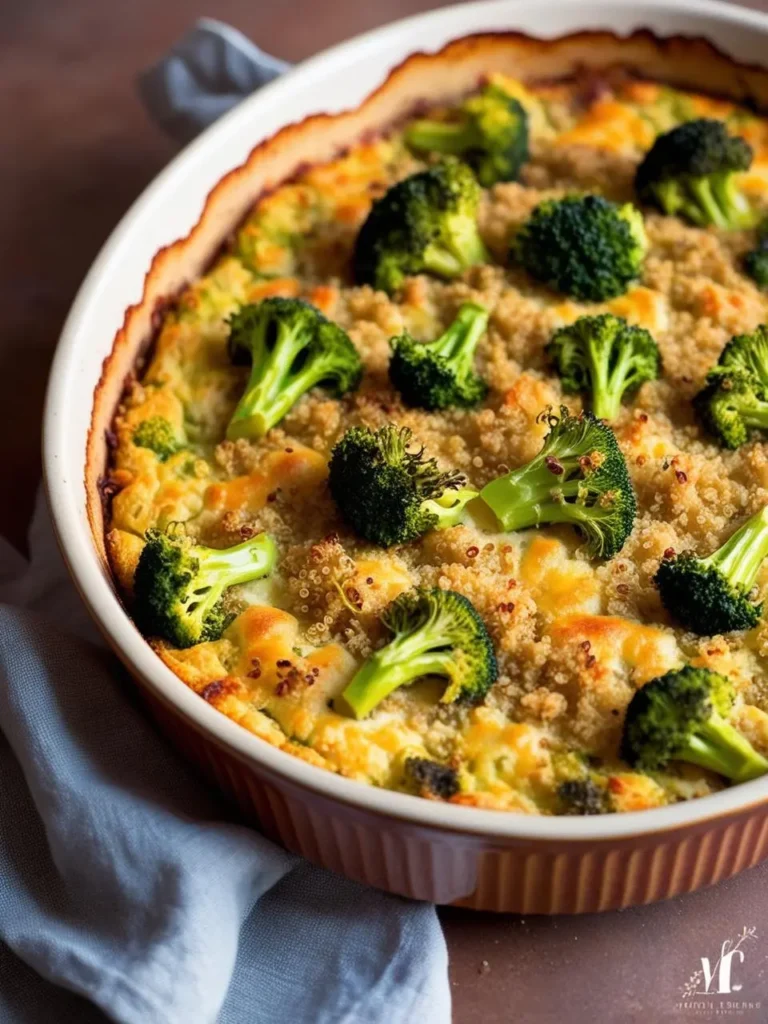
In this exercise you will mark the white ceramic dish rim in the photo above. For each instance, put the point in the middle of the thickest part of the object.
(63, 471)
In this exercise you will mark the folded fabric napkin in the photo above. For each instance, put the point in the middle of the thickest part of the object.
(123, 879)
(206, 73)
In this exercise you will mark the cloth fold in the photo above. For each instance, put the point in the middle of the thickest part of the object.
(127, 887)
(207, 72)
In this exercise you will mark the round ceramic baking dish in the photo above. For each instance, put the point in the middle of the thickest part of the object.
(424, 849)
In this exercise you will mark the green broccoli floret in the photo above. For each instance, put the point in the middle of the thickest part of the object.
(291, 347)
(692, 172)
(734, 399)
(431, 777)
(179, 586)
(440, 374)
(388, 494)
(158, 435)
(606, 357)
(425, 224)
(756, 264)
(711, 595)
(756, 261)
(584, 246)
(748, 352)
(579, 477)
(489, 131)
(582, 796)
(436, 633)
(731, 404)
(682, 716)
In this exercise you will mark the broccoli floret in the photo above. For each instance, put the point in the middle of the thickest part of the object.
(581, 796)
(606, 357)
(489, 131)
(756, 261)
(692, 171)
(291, 347)
(748, 352)
(682, 716)
(756, 264)
(731, 404)
(432, 777)
(734, 399)
(439, 374)
(179, 586)
(426, 223)
(711, 595)
(158, 435)
(579, 477)
(436, 633)
(388, 494)
(583, 246)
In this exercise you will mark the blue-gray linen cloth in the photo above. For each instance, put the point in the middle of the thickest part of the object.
(127, 891)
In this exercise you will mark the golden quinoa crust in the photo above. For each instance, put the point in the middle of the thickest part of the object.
(574, 638)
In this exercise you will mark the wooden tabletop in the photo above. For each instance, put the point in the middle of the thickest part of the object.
(80, 150)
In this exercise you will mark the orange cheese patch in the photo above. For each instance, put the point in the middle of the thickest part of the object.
(646, 650)
(503, 754)
(295, 470)
(633, 792)
(728, 307)
(640, 305)
(324, 297)
(295, 686)
(284, 287)
(560, 585)
(609, 125)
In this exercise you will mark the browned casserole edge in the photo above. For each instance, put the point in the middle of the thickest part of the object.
(422, 78)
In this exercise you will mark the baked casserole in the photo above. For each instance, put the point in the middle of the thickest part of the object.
(457, 447)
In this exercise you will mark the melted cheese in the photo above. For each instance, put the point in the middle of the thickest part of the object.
(503, 756)
(609, 124)
(630, 791)
(641, 306)
(299, 470)
(620, 646)
(560, 585)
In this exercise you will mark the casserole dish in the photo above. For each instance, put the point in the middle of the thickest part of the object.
(417, 848)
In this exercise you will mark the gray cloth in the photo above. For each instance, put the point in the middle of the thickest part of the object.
(127, 889)
(206, 73)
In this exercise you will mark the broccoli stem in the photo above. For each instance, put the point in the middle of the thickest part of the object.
(740, 558)
(704, 198)
(275, 386)
(449, 507)
(733, 201)
(438, 260)
(461, 247)
(239, 564)
(719, 196)
(609, 387)
(555, 512)
(220, 570)
(523, 497)
(458, 343)
(716, 745)
(440, 136)
(753, 417)
(401, 662)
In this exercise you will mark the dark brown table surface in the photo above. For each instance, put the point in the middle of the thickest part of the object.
(77, 150)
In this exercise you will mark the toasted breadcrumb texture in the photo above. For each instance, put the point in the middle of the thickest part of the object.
(574, 639)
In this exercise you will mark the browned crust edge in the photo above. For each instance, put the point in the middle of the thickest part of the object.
(690, 62)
